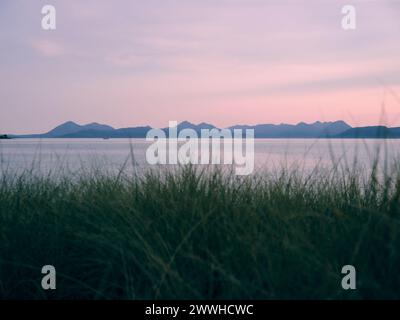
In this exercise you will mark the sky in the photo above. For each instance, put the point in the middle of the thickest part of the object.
(225, 62)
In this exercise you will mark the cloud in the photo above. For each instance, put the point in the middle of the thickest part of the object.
(128, 60)
(47, 48)
(222, 61)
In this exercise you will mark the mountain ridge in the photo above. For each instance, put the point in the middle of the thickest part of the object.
(317, 129)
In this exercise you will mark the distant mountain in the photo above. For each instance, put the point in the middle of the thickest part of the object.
(375, 132)
(135, 132)
(188, 125)
(67, 127)
(336, 129)
(301, 130)
(70, 128)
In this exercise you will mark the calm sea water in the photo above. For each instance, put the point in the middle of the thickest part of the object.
(72, 155)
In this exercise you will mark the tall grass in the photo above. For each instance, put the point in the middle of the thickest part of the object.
(200, 234)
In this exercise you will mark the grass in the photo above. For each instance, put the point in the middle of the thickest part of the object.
(200, 234)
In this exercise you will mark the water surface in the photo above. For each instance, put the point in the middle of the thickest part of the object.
(72, 155)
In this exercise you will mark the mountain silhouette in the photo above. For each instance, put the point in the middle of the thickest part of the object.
(335, 129)
(300, 130)
(375, 132)
(71, 128)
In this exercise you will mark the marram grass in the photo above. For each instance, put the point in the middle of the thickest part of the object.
(200, 234)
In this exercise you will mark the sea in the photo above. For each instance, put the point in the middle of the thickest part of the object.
(71, 156)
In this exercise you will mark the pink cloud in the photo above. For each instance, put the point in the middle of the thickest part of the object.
(47, 48)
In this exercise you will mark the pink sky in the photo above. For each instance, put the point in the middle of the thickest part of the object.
(129, 63)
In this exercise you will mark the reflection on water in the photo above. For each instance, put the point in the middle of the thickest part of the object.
(72, 155)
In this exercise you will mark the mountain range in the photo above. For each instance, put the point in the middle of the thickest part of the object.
(336, 129)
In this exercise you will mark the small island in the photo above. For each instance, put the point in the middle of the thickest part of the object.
(4, 136)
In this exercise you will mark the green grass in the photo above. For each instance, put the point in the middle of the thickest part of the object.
(200, 235)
